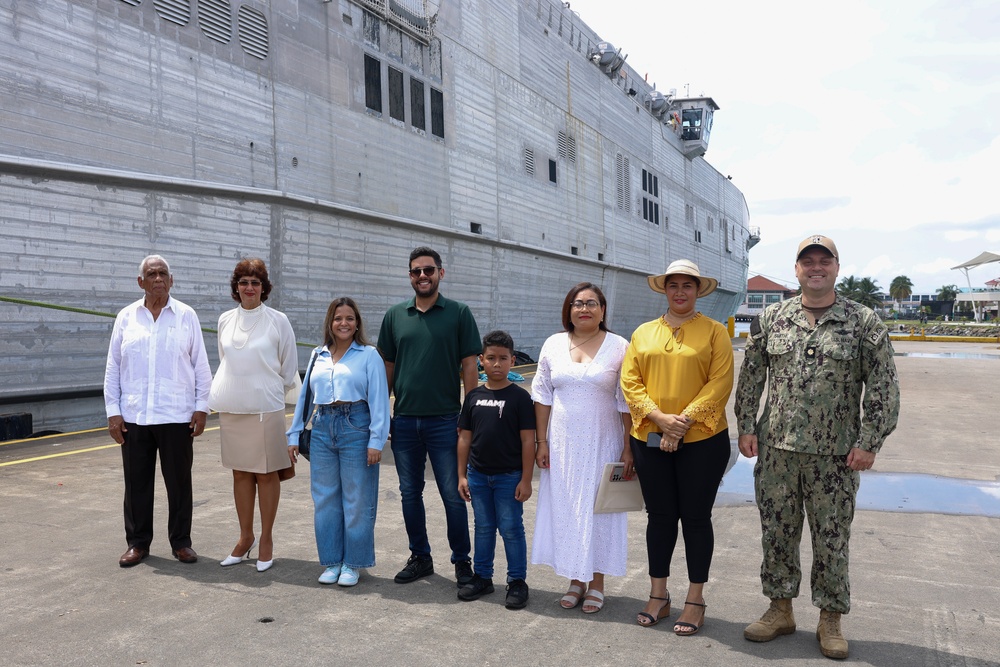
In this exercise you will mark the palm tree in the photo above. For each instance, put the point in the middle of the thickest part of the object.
(869, 294)
(900, 289)
(863, 290)
(947, 293)
(847, 287)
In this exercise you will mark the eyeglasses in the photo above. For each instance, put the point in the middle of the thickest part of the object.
(249, 283)
(589, 304)
(426, 270)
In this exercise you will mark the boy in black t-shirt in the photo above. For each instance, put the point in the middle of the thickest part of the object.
(496, 457)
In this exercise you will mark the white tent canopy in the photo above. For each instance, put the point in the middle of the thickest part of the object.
(982, 258)
(979, 260)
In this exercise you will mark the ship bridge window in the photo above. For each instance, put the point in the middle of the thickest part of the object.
(417, 116)
(691, 124)
(396, 101)
(175, 11)
(437, 113)
(552, 172)
(252, 28)
(215, 18)
(373, 84)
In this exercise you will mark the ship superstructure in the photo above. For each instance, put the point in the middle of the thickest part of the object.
(330, 139)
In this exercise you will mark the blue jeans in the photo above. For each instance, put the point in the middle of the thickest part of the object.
(344, 486)
(495, 508)
(414, 440)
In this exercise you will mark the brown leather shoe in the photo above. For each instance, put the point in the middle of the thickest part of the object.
(185, 555)
(132, 557)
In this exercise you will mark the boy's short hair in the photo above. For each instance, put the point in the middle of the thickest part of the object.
(498, 339)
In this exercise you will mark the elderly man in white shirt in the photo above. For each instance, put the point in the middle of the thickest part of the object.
(156, 386)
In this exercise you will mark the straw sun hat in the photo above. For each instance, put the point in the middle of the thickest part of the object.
(688, 268)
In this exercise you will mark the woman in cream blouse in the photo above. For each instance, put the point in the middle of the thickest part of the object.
(258, 366)
(677, 377)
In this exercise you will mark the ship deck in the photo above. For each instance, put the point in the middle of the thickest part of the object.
(924, 583)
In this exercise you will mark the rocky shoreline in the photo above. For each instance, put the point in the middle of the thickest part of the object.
(949, 330)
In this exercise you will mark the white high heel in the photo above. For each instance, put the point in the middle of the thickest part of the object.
(263, 565)
(233, 560)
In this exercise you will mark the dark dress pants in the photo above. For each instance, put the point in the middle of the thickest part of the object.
(176, 448)
(681, 487)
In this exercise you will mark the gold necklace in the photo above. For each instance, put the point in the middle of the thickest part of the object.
(573, 347)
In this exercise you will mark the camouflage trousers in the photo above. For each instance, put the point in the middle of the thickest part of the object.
(790, 486)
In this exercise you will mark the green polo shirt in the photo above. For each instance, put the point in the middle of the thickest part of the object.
(427, 349)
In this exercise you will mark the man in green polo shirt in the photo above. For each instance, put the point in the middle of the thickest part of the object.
(430, 345)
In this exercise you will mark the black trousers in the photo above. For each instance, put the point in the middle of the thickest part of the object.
(176, 447)
(681, 486)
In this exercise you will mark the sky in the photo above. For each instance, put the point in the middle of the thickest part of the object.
(876, 123)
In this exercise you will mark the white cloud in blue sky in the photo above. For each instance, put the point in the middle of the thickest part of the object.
(877, 123)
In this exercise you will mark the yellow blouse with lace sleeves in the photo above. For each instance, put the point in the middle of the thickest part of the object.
(690, 373)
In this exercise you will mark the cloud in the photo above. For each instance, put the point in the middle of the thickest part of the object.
(960, 235)
(882, 264)
(799, 205)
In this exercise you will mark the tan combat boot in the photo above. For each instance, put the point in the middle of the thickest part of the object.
(831, 642)
(777, 620)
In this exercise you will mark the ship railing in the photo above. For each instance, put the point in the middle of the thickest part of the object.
(558, 17)
(408, 15)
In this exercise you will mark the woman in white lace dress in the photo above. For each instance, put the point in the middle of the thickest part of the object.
(582, 423)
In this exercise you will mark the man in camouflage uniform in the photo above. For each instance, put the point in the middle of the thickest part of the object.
(825, 357)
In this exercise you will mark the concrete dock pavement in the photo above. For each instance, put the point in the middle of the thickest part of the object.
(925, 585)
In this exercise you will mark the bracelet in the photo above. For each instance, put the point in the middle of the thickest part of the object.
(538, 442)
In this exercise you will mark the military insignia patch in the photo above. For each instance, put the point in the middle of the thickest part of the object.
(755, 328)
(876, 335)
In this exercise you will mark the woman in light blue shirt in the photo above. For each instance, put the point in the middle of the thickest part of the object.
(350, 424)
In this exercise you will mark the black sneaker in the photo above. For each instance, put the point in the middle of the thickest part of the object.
(416, 567)
(517, 594)
(475, 589)
(463, 573)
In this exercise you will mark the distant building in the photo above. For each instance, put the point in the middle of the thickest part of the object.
(762, 292)
(911, 306)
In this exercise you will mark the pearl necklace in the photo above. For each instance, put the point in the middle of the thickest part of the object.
(242, 315)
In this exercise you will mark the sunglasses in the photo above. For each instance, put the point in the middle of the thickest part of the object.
(426, 270)
(249, 283)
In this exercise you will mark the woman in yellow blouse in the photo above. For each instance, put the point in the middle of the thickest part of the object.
(677, 377)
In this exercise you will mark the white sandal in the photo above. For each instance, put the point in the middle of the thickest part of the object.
(572, 598)
(593, 599)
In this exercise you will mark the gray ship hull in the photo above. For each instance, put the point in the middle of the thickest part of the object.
(126, 131)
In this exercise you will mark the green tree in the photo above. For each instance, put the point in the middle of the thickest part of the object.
(847, 287)
(947, 293)
(863, 290)
(900, 289)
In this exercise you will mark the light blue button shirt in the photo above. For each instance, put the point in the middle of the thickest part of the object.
(358, 376)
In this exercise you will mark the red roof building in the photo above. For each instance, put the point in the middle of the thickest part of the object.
(762, 292)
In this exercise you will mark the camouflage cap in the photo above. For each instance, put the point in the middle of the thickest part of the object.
(822, 241)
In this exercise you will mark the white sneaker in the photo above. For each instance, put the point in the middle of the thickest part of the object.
(348, 577)
(330, 575)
